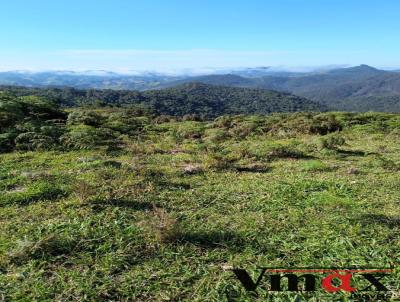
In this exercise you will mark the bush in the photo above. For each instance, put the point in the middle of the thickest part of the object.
(324, 124)
(220, 161)
(187, 130)
(87, 137)
(191, 117)
(125, 123)
(332, 142)
(163, 119)
(33, 141)
(7, 142)
(285, 151)
(243, 129)
(29, 123)
(224, 121)
(10, 110)
(52, 130)
(216, 135)
(89, 118)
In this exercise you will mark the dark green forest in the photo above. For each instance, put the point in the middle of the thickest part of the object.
(207, 101)
(361, 88)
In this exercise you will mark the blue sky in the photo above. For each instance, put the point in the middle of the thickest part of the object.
(177, 34)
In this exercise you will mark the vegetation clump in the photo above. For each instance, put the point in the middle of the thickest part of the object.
(332, 142)
(166, 228)
(49, 246)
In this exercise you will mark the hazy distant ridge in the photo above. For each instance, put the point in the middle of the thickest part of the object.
(360, 88)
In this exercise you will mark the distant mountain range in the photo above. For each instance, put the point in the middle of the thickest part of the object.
(361, 88)
(85, 80)
(102, 79)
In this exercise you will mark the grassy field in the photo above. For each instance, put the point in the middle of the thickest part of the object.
(164, 217)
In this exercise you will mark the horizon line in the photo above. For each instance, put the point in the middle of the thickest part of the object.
(202, 70)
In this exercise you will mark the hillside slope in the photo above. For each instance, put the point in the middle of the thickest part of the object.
(190, 98)
(218, 100)
(361, 88)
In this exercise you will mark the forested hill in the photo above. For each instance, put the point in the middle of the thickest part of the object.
(361, 88)
(190, 98)
(218, 100)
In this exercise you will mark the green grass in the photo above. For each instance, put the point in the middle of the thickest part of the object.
(132, 225)
(315, 166)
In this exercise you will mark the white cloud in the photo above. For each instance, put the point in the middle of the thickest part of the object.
(177, 61)
(138, 59)
(170, 60)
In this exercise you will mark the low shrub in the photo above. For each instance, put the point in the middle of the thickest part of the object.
(187, 130)
(192, 169)
(285, 151)
(387, 164)
(87, 137)
(89, 118)
(7, 141)
(163, 119)
(244, 129)
(224, 121)
(191, 117)
(49, 246)
(29, 123)
(166, 228)
(34, 141)
(216, 135)
(83, 191)
(325, 123)
(332, 142)
(220, 160)
(254, 167)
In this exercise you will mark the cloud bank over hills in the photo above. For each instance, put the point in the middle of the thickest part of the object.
(186, 61)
